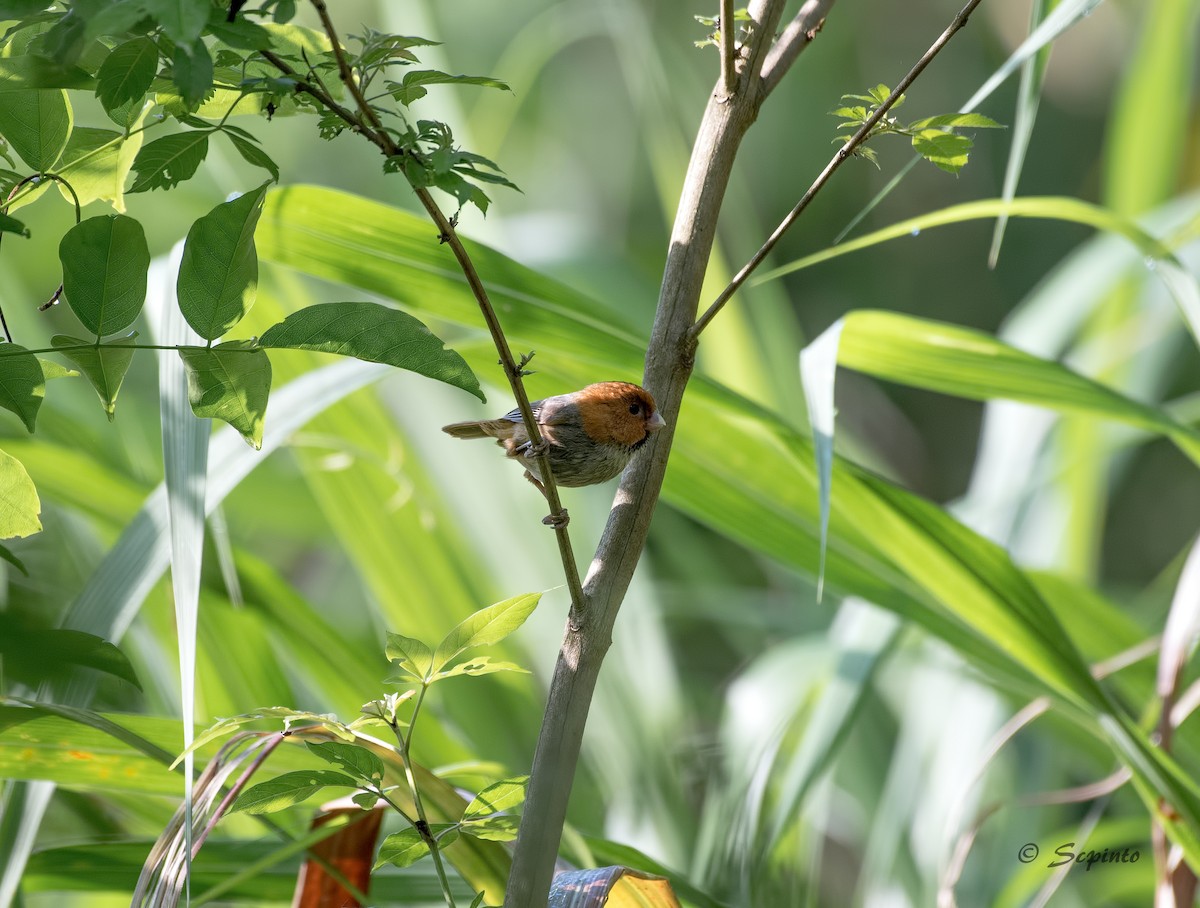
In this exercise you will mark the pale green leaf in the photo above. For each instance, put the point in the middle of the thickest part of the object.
(487, 626)
(288, 790)
(104, 365)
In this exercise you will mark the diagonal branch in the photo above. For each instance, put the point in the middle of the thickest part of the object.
(839, 158)
(728, 46)
(366, 122)
(799, 33)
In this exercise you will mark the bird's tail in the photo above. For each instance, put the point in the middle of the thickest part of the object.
(488, 428)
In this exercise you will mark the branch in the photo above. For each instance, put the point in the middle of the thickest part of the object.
(798, 35)
(366, 122)
(838, 159)
(728, 47)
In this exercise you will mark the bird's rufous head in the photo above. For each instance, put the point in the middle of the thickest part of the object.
(618, 412)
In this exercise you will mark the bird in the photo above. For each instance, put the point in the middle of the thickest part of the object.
(590, 434)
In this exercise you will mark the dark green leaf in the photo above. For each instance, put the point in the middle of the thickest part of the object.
(375, 333)
(182, 20)
(242, 34)
(253, 154)
(22, 384)
(19, 9)
(64, 42)
(288, 790)
(105, 260)
(12, 559)
(12, 225)
(218, 275)
(485, 627)
(411, 655)
(36, 655)
(31, 71)
(126, 73)
(36, 124)
(503, 795)
(947, 150)
(193, 71)
(105, 366)
(114, 18)
(19, 503)
(166, 162)
(230, 382)
(355, 760)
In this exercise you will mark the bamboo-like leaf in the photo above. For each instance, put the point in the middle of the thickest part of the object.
(1179, 281)
(374, 333)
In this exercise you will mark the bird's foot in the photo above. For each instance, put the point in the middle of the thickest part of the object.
(558, 521)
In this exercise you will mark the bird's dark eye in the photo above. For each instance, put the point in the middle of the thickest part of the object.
(635, 409)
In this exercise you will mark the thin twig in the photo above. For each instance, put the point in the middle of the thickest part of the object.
(367, 123)
(728, 46)
(838, 159)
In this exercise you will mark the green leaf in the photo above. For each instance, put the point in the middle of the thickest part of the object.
(105, 366)
(499, 828)
(252, 154)
(97, 162)
(404, 848)
(41, 654)
(182, 20)
(193, 72)
(412, 86)
(105, 260)
(479, 665)
(971, 364)
(218, 274)
(12, 225)
(19, 9)
(53, 369)
(288, 790)
(34, 72)
(19, 504)
(355, 760)
(946, 150)
(167, 162)
(22, 383)
(36, 124)
(503, 795)
(410, 655)
(378, 334)
(230, 382)
(945, 121)
(126, 73)
(485, 627)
